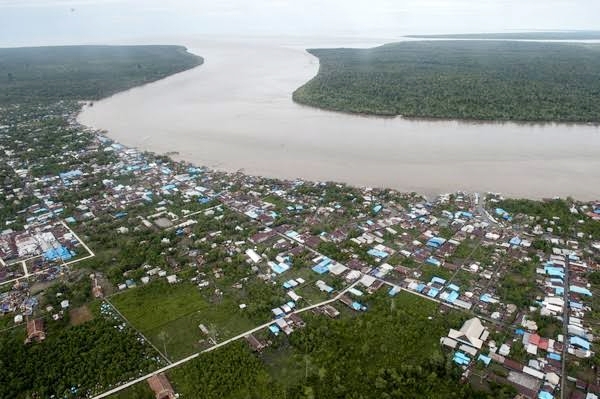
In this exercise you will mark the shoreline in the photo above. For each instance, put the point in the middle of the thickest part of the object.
(176, 156)
(240, 124)
(466, 121)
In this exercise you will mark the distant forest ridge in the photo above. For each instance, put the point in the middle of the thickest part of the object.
(545, 35)
(461, 79)
(45, 74)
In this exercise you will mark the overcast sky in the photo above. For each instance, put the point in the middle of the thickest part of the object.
(39, 22)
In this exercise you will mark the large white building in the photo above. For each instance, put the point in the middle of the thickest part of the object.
(472, 333)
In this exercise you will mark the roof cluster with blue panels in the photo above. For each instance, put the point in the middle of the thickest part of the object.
(436, 242)
(433, 261)
(461, 359)
(377, 253)
(58, 253)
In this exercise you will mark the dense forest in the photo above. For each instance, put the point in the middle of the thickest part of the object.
(481, 80)
(74, 360)
(46, 74)
(564, 35)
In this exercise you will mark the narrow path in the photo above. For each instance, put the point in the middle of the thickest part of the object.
(78, 239)
(217, 346)
(25, 270)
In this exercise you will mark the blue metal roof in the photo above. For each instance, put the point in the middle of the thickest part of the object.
(433, 261)
(452, 296)
(438, 280)
(580, 290)
(486, 360)
(578, 341)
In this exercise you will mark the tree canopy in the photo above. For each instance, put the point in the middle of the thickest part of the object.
(46, 74)
(481, 80)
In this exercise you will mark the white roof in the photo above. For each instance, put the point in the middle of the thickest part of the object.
(295, 297)
(472, 328)
(504, 350)
(449, 342)
(533, 372)
(253, 255)
(367, 280)
(461, 337)
(337, 269)
(468, 349)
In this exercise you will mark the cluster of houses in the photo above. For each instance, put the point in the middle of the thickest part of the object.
(313, 239)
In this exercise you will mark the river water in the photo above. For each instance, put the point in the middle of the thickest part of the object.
(235, 112)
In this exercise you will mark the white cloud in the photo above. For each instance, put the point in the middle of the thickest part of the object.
(36, 20)
(53, 3)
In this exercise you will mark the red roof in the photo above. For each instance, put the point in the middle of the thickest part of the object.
(534, 339)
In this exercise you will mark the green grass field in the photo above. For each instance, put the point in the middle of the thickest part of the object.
(169, 316)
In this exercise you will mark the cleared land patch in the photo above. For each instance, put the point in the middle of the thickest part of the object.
(80, 315)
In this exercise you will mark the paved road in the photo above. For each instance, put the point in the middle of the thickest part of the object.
(482, 211)
(563, 383)
(78, 239)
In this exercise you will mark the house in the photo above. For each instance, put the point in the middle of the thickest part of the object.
(330, 311)
(296, 320)
(161, 386)
(35, 331)
(472, 333)
(97, 290)
(255, 343)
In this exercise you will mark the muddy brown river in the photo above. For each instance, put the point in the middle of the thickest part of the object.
(236, 112)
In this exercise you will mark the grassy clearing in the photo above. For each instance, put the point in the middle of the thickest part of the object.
(428, 272)
(169, 315)
(183, 336)
(158, 303)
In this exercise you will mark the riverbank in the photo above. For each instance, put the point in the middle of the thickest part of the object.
(236, 113)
